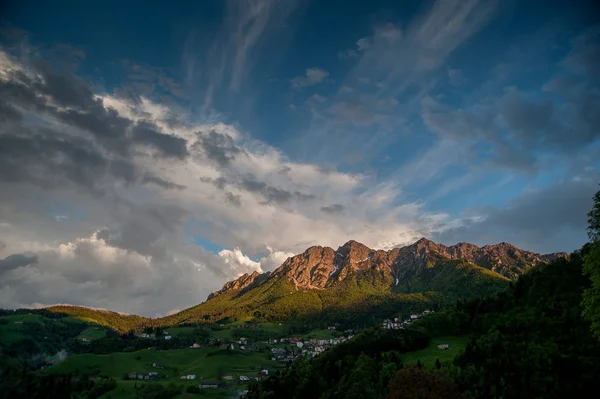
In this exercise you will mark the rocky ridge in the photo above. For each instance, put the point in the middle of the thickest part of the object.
(322, 267)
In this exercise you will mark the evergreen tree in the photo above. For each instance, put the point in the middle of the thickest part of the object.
(591, 267)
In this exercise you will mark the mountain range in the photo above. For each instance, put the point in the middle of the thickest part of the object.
(354, 280)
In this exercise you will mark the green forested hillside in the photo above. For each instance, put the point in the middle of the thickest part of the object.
(457, 279)
(529, 341)
(278, 299)
(116, 321)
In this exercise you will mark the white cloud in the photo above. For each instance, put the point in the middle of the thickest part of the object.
(311, 77)
(129, 248)
(239, 262)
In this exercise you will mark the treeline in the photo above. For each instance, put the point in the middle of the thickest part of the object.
(532, 341)
(21, 383)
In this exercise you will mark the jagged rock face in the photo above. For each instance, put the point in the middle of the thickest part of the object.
(310, 269)
(235, 285)
(322, 267)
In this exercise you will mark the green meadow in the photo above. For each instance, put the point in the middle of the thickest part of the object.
(206, 363)
(428, 355)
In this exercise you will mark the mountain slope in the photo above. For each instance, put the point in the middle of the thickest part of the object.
(357, 278)
(353, 279)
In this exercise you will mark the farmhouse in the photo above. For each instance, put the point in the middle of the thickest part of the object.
(228, 377)
(209, 384)
(443, 346)
(188, 377)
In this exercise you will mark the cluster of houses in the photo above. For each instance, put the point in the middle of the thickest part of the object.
(166, 336)
(244, 378)
(396, 323)
(151, 376)
(309, 347)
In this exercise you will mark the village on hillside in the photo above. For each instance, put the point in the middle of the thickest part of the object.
(397, 324)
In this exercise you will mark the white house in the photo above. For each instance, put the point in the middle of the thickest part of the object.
(168, 337)
(443, 346)
(245, 378)
(188, 377)
(299, 344)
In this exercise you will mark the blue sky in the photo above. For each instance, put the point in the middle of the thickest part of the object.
(218, 137)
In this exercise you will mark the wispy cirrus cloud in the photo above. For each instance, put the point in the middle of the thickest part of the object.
(229, 60)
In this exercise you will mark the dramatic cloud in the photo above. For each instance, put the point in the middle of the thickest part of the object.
(130, 187)
(15, 261)
(144, 192)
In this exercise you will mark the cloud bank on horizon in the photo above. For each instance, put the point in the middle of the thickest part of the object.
(142, 168)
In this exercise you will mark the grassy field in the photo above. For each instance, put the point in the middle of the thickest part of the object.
(428, 355)
(206, 363)
(320, 334)
(15, 327)
(92, 333)
(11, 328)
(126, 390)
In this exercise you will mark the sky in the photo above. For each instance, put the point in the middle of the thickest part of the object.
(152, 151)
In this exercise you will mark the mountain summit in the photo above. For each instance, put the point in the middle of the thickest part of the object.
(323, 267)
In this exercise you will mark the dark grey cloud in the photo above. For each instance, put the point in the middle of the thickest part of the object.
(8, 114)
(333, 209)
(142, 228)
(65, 90)
(219, 182)
(284, 170)
(251, 184)
(269, 193)
(46, 158)
(233, 199)
(160, 182)
(551, 219)
(17, 260)
(167, 144)
(88, 144)
(219, 148)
